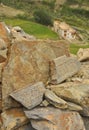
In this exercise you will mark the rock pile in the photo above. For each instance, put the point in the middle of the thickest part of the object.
(41, 86)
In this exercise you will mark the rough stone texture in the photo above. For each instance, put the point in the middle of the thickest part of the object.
(4, 33)
(50, 118)
(83, 54)
(78, 94)
(84, 70)
(29, 63)
(26, 127)
(74, 107)
(62, 68)
(86, 122)
(0, 122)
(30, 96)
(13, 119)
(55, 100)
(0, 98)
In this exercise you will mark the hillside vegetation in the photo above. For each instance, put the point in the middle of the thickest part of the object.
(74, 12)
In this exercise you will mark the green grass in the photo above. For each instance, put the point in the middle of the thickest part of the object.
(38, 30)
(74, 47)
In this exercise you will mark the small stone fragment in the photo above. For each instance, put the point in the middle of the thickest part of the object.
(74, 107)
(55, 100)
(62, 68)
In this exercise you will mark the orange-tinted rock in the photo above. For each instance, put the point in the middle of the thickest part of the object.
(50, 118)
(4, 32)
(28, 64)
(13, 119)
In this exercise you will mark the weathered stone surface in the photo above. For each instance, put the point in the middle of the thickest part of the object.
(0, 122)
(4, 33)
(86, 122)
(78, 94)
(44, 103)
(26, 127)
(50, 118)
(1, 68)
(30, 96)
(13, 119)
(83, 54)
(55, 100)
(29, 63)
(74, 107)
(84, 70)
(62, 68)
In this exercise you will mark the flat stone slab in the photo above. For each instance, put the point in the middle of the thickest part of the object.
(50, 118)
(62, 68)
(30, 96)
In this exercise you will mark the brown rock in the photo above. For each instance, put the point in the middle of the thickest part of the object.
(29, 63)
(13, 119)
(78, 94)
(62, 68)
(30, 96)
(55, 100)
(50, 118)
(4, 33)
(83, 54)
(26, 127)
(0, 122)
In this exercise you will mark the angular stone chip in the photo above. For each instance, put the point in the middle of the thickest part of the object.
(30, 96)
(62, 68)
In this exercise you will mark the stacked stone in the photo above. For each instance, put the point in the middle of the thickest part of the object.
(41, 87)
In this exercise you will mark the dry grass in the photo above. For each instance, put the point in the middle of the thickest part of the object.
(8, 11)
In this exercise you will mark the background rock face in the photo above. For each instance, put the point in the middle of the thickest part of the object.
(29, 63)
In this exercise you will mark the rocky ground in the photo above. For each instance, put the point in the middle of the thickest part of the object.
(42, 86)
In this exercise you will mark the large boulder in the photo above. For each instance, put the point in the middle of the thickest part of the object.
(29, 63)
(50, 118)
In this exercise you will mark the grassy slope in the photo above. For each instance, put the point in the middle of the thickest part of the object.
(74, 47)
(32, 28)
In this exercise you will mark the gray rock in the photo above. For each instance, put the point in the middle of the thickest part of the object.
(55, 100)
(78, 94)
(26, 127)
(74, 107)
(62, 68)
(30, 96)
(86, 122)
(50, 118)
